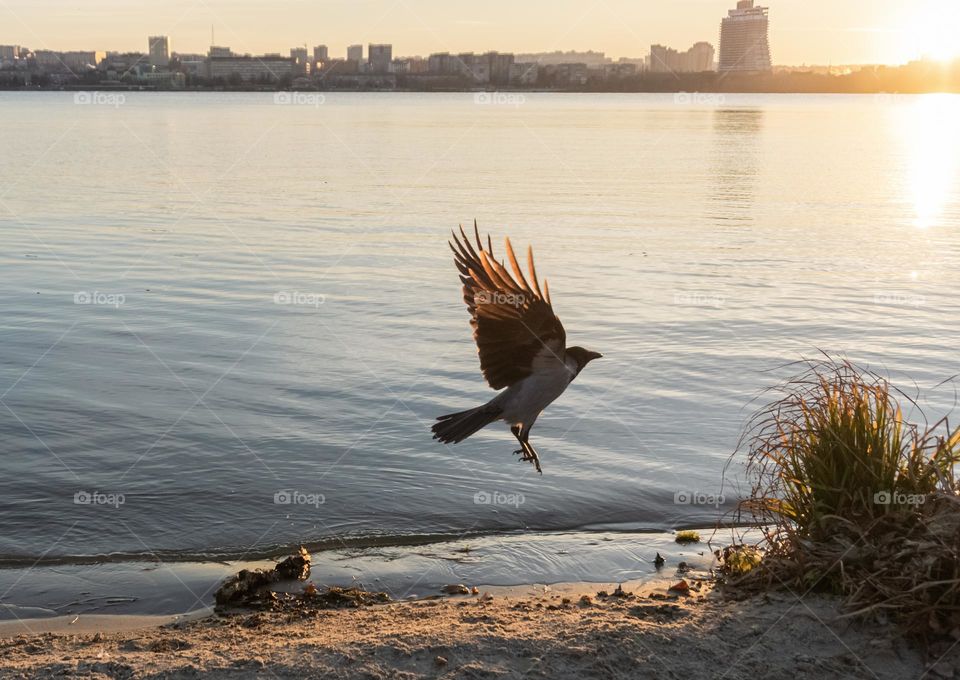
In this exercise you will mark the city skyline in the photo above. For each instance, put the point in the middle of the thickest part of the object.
(815, 32)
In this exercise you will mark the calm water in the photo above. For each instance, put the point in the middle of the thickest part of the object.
(699, 246)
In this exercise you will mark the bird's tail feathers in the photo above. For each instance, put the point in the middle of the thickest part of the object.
(455, 427)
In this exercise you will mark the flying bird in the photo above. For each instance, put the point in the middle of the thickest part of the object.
(522, 344)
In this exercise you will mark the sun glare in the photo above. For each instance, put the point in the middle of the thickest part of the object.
(930, 130)
(933, 30)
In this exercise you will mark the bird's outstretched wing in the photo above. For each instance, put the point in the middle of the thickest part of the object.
(513, 321)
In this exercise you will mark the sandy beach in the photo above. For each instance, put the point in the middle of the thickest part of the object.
(537, 632)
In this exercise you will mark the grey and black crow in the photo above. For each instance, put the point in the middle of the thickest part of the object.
(522, 344)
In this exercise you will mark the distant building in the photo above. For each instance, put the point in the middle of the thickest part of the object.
(355, 53)
(619, 70)
(337, 67)
(700, 57)
(117, 65)
(321, 53)
(47, 58)
(590, 58)
(9, 52)
(697, 59)
(500, 65)
(164, 80)
(410, 65)
(744, 41)
(301, 60)
(219, 52)
(192, 64)
(159, 50)
(268, 69)
(473, 67)
(68, 62)
(379, 58)
(524, 73)
(568, 74)
(443, 63)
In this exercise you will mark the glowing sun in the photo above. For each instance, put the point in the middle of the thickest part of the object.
(933, 29)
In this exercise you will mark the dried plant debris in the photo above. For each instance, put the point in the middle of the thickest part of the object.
(254, 589)
(347, 598)
(296, 567)
(247, 589)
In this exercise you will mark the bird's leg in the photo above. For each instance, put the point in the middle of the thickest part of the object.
(531, 456)
(516, 429)
(527, 453)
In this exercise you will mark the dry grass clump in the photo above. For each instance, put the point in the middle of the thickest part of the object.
(858, 501)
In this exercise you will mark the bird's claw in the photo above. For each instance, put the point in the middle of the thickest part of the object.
(530, 457)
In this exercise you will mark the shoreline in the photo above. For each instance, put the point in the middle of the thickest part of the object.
(671, 621)
(413, 569)
(564, 632)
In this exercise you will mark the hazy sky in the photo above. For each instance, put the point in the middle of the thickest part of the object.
(802, 31)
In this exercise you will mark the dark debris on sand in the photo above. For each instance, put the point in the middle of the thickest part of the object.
(253, 589)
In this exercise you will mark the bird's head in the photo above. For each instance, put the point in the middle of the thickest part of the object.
(582, 356)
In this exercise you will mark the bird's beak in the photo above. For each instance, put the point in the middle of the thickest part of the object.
(594, 355)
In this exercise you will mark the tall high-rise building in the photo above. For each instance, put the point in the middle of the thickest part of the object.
(355, 53)
(379, 58)
(321, 53)
(159, 50)
(744, 42)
